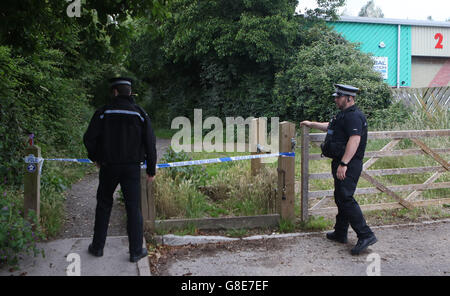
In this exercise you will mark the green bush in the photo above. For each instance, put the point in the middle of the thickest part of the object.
(17, 235)
(303, 90)
(220, 56)
(399, 117)
(250, 58)
(393, 116)
(38, 98)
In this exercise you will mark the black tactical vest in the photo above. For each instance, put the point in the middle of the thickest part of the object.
(337, 137)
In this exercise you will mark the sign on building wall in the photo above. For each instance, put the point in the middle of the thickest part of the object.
(430, 41)
(381, 66)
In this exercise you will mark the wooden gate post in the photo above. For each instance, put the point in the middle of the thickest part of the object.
(32, 183)
(304, 173)
(147, 202)
(286, 172)
(254, 138)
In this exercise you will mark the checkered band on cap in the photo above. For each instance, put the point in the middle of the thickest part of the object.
(120, 81)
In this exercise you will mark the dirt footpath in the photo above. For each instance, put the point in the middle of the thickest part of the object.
(81, 202)
(422, 249)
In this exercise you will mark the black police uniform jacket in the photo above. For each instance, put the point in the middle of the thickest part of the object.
(121, 133)
(347, 123)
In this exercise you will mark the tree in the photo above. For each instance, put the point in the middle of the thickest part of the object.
(345, 12)
(303, 90)
(326, 8)
(30, 26)
(217, 55)
(370, 10)
(51, 66)
(242, 58)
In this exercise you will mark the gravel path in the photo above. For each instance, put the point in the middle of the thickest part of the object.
(422, 249)
(81, 202)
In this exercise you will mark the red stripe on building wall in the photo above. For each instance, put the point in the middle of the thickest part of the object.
(442, 77)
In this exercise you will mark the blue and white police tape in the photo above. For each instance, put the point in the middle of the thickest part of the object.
(81, 160)
(31, 159)
(221, 159)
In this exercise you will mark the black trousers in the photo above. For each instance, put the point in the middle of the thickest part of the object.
(129, 178)
(349, 212)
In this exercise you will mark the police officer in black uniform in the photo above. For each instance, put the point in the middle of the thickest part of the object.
(345, 143)
(118, 139)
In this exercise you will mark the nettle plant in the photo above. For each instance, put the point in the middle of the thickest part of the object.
(17, 234)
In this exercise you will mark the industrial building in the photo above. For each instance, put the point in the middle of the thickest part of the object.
(407, 53)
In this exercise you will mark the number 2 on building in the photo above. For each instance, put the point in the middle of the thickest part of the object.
(440, 38)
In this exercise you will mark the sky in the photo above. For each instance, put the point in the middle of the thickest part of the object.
(397, 9)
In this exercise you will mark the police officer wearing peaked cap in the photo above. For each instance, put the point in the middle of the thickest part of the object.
(119, 138)
(345, 143)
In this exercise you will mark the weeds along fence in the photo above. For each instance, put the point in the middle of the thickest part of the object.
(413, 191)
(429, 99)
(284, 203)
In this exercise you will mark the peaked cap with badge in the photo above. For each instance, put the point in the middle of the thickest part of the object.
(120, 81)
(345, 90)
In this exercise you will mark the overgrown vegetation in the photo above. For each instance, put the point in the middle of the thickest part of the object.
(249, 58)
(17, 235)
(53, 70)
(230, 189)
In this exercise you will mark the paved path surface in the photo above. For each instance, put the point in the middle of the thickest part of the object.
(422, 249)
(60, 260)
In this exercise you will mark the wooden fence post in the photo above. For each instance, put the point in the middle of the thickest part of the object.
(32, 183)
(147, 202)
(304, 173)
(254, 138)
(286, 172)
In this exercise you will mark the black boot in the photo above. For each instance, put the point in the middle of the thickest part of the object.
(337, 238)
(96, 253)
(362, 244)
(136, 258)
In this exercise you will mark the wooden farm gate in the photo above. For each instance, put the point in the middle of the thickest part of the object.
(415, 190)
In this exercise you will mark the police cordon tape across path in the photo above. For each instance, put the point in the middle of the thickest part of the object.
(32, 160)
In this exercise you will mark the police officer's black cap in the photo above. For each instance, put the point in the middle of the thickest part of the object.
(345, 90)
(120, 81)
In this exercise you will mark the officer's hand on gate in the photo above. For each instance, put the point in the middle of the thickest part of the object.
(150, 178)
(305, 123)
